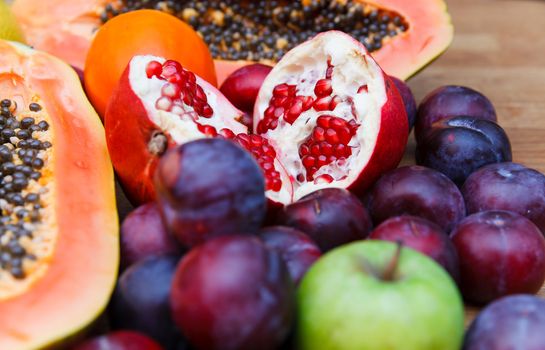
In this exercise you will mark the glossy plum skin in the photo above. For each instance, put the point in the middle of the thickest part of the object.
(331, 217)
(507, 186)
(242, 86)
(209, 187)
(297, 249)
(119, 340)
(512, 322)
(452, 101)
(232, 292)
(141, 300)
(143, 234)
(500, 253)
(460, 145)
(421, 235)
(419, 191)
(408, 100)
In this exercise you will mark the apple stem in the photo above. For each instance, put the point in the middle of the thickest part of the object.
(368, 268)
(390, 270)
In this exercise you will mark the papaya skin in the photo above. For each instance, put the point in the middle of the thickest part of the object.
(82, 271)
(429, 34)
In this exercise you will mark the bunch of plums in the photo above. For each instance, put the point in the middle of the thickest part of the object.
(207, 266)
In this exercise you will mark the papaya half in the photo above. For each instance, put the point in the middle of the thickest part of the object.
(59, 226)
(402, 35)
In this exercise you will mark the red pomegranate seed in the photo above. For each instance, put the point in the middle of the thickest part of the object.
(321, 161)
(281, 90)
(326, 148)
(307, 103)
(329, 70)
(227, 133)
(331, 136)
(325, 178)
(269, 112)
(322, 103)
(318, 134)
(191, 77)
(323, 88)
(344, 135)
(294, 112)
(308, 161)
(188, 99)
(278, 112)
(315, 150)
(292, 90)
(208, 130)
(323, 121)
(207, 111)
(154, 69)
(199, 94)
(304, 150)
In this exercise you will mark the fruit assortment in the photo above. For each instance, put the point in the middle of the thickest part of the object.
(270, 213)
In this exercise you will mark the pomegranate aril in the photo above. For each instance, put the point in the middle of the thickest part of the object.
(208, 130)
(344, 135)
(228, 134)
(304, 150)
(323, 88)
(199, 94)
(318, 134)
(269, 112)
(315, 150)
(322, 103)
(334, 102)
(331, 136)
(176, 109)
(326, 149)
(325, 178)
(191, 76)
(175, 78)
(363, 88)
(278, 112)
(170, 90)
(163, 103)
(323, 121)
(294, 112)
(188, 99)
(321, 161)
(308, 161)
(207, 111)
(281, 90)
(154, 69)
(307, 103)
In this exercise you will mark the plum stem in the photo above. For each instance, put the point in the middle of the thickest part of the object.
(389, 272)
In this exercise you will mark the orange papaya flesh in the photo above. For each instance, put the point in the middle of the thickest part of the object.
(417, 31)
(59, 237)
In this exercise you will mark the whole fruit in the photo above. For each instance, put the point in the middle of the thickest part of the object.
(157, 105)
(331, 217)
(209, 187)
(241, 86)
(513, 322)
(332, 116)
(423, 236)
(500, 253)
(452, 101)
(372, 295)
(142, 32)
(232, 292)
(419, 191)
(408, 100)
(143, 234)
(119, 340)
(9, 28)
(458, 146)
(507, 186)
(141, 300)
(297, 249)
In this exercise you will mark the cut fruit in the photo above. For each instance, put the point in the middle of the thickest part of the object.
(403, 35)
(157, 105)
(59, 232)
(332, 116)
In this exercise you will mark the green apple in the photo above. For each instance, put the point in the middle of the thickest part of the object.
(376, 295)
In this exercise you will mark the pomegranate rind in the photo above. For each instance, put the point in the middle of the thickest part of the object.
(384, 121)
(131, 123)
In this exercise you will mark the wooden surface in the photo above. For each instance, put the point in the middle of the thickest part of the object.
(498, 49)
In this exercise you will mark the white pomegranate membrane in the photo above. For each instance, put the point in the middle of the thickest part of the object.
(320, 108)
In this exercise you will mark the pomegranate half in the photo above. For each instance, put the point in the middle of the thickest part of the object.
(156, 105)
(332, 116)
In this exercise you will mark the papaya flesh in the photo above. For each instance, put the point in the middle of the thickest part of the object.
(59, 226)
(402, 35)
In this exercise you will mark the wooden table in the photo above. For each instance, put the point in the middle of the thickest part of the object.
(499, 50)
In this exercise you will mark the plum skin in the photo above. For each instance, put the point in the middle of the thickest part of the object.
(500, 253)
(507, 186)
(451, 101)
(119, 340)
(143, 234)
(512, 322)
(297, 249)
(419, 191)
(232, 292)
(209, 187)
(330, 216)
(141, 300)
(458, 146)
(421, 235)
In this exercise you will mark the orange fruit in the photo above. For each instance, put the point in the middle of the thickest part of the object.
(142, 32)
